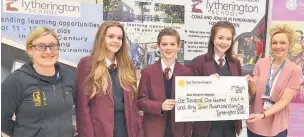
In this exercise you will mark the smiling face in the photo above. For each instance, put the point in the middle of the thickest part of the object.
(168, 47)
(113, 39)
(280, 45)
(222, 41)
(48, 57)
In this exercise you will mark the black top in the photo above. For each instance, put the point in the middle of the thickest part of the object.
(120, 129)
(42, 105)
(222, 71)
(168, 87)
(222, 128)
(51, 79)
(117, 91)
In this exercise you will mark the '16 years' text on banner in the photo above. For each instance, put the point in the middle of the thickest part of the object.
(202, 98)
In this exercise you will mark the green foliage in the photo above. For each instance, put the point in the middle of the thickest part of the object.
(108, 5)
(142, 5)
(174, 12)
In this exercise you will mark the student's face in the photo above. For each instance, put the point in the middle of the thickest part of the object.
(113, 39)
(40, 55)
(168, 47)
(280, 45)
(222, 41)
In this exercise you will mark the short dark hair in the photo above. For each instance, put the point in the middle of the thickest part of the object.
(168, 32)
(214, 29)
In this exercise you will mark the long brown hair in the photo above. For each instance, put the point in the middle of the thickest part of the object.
(99, 76)
(221, 24)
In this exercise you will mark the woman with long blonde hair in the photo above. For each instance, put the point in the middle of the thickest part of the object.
(106, 95)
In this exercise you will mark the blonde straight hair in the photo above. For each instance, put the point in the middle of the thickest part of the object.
(99, 76)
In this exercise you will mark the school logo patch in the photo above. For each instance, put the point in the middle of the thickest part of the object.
(37, 99)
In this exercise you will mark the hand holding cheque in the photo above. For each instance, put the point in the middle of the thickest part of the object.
(168, 104)
(214, 98)
(251, 84)
(252, 91)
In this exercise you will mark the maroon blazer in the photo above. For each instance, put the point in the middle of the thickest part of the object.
(151, 96)
(204, 66)
(95, 117)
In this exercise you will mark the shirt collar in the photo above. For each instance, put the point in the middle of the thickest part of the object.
(164, 66)
(108, 62)
(216, 57)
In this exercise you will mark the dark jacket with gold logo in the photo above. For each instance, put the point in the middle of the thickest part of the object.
(42, 105)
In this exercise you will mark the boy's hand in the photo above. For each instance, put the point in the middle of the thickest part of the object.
(168, 104)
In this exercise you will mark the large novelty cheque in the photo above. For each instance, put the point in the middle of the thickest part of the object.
(201, 98)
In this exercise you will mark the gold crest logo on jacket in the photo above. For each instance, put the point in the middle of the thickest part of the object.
(37, 99)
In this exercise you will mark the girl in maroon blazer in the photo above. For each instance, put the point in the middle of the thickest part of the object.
(218, 61)
(156, 90)
(106, 103)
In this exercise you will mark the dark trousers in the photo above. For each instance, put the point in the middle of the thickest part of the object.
(195, 135)
(281, 134)
(220, 129)
(168, 128)
(221, 134)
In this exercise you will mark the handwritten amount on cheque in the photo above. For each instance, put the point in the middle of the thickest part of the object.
(206, 100)
(220, 105)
